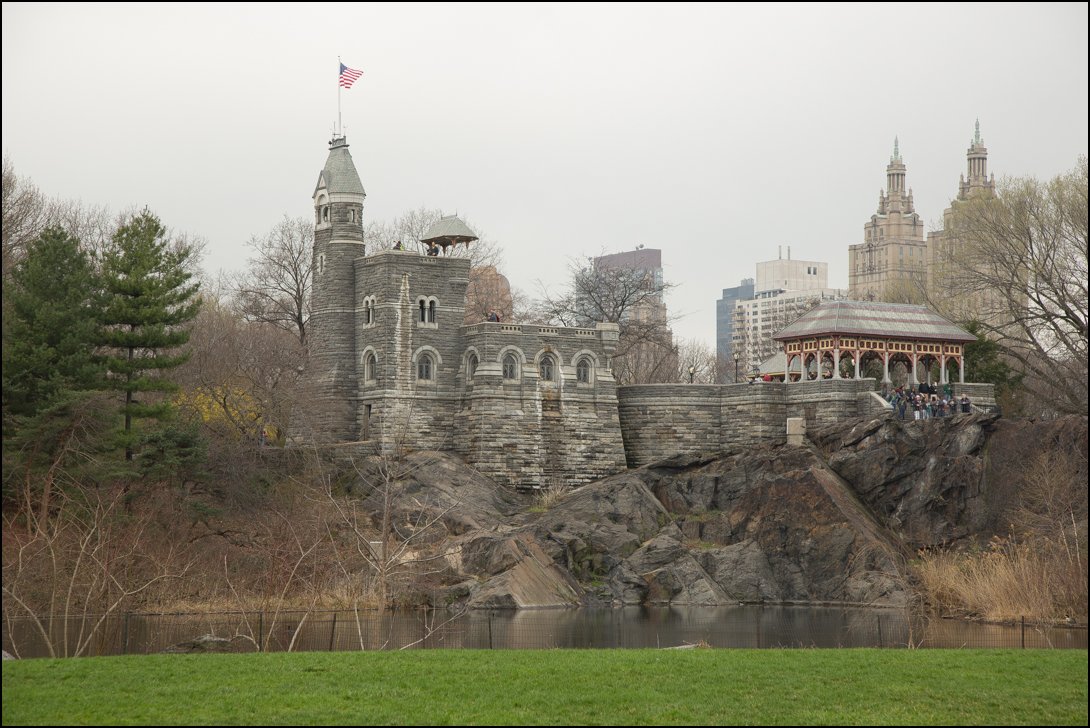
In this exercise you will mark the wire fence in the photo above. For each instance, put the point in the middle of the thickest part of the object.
(734, 627)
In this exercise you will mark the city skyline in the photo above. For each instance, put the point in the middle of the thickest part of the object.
(714, 133)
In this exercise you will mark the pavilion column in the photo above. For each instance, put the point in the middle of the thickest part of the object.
(942, 368)
(857, 357)
(836, 363)
(961, 369)
(885, 365)
(915, 361)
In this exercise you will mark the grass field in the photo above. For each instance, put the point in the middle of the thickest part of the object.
(604, 687)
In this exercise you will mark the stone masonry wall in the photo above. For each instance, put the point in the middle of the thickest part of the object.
(404, 409)
(660, 420)
(532, 433)
(827, 401)
(331, 365)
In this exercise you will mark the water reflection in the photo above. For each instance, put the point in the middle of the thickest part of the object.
(631, 627)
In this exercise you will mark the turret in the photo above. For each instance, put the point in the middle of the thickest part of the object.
(338, 242)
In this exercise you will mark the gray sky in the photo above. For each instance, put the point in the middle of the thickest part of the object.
(713, 132)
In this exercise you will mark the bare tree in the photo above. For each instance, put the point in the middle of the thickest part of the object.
(696, 362)
(24, 215)
(629, 297)
(1023, 255)
(243, 376)
(90, 562)
(275, 289)
(410, 227)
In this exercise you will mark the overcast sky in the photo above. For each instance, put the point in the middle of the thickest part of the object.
(713, 132)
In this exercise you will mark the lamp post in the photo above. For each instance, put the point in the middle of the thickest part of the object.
(736, 358)
(692, 373)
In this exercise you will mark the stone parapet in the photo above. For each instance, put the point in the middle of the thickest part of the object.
(660, 420)
(981, 396)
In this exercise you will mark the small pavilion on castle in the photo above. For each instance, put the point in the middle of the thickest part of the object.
(837, 339)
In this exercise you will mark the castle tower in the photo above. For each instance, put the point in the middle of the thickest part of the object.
(338, 242)
(410, 310)
(885, 265)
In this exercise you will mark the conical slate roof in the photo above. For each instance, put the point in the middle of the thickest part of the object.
(869, 318)
(339, 175)
(449, 230)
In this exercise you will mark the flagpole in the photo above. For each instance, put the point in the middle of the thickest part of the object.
(339, 128)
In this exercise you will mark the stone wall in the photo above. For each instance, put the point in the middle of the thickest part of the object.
(660, 420)
(981, 396)
(828, 401)
(534, 433)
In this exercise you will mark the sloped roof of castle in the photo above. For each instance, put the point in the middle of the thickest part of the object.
(339, 175)
(868, 318)
(449, 230)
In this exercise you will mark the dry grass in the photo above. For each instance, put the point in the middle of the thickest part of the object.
(548, 497)
(1039, 571)
(1041, 581)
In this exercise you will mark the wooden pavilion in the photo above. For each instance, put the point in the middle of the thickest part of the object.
(853, 333)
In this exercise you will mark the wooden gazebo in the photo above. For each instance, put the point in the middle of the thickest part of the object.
(856, 331)
(448, 231)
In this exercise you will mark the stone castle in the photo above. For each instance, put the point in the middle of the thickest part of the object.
(391, 365)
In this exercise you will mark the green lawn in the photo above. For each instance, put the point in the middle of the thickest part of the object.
(650, 687)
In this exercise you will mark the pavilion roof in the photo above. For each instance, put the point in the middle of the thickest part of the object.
(870, 318)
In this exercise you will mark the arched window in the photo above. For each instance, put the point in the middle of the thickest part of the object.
(582, 371)
(431, 312)
(546, 368)
(471, 365)
(510, 367)
(370, 368)
(423, 311)
(325, 213)
(424, 368)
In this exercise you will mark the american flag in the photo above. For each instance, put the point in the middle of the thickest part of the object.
(348, 76)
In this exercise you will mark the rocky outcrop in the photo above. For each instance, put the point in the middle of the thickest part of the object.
(945, 479)
(832, 521)
(690, 530)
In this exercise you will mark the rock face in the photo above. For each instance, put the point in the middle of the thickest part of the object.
(831, 521)
(947, 479)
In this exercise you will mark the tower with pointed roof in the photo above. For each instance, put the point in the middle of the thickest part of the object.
(338, 241)
(893, 247)
(944, 255)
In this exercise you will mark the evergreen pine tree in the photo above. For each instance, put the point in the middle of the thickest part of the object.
(148, 296)
(49, 325)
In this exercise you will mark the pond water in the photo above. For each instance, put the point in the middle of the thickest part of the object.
(631, 627)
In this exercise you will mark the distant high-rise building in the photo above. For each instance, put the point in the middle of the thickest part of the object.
(784, 274)
(945, 259)
(748, 315)
(890, 260)
(724, 324)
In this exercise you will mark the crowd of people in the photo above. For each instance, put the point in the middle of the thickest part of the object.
(927, 401)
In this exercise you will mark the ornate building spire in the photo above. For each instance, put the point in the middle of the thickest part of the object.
(976, 180)
(895, 180)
